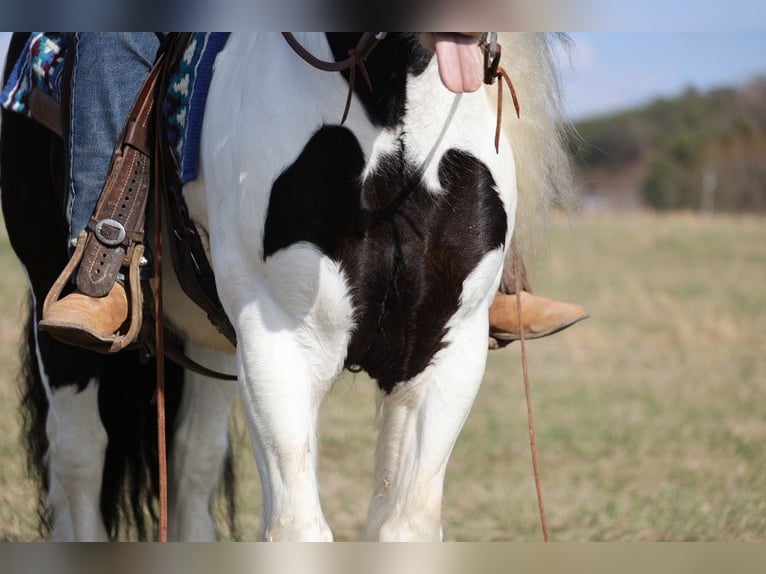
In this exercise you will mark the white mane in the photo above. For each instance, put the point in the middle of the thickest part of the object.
(544, 173)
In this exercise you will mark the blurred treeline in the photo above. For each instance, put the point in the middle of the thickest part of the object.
(700, 151)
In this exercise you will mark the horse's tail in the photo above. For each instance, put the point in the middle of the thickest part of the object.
(34, 413)
(130, 483)
(539, 136)
(130, 488)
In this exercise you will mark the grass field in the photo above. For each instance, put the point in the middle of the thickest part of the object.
(651, 415)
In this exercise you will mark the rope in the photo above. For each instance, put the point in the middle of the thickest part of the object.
(159, 352)
(530, 419)
(503, 75)
(161, 439)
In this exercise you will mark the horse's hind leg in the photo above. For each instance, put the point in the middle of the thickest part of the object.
(77, 446)
(69, 426)
(199, 447)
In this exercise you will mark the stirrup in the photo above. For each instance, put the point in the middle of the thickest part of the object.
(135, 301)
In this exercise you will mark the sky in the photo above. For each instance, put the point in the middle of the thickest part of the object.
(610, 71)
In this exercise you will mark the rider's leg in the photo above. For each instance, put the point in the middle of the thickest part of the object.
(109, 69)
(540, 316)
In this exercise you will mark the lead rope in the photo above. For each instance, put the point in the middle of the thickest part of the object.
(159, 341)
(530, 418)
(492, 72)
(159, 357)
(503, 75)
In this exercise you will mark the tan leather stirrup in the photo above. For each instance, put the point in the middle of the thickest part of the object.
(112, 244)
(75, 334)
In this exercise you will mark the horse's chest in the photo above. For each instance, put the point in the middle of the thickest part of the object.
(405, 250)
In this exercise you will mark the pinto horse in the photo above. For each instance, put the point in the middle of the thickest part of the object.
(375, 244)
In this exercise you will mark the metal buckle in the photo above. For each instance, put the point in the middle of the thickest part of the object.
(491, 60)
(112, 225)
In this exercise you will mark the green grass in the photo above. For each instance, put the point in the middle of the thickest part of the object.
(651, 415)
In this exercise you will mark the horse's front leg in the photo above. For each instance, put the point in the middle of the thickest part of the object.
(420, 423)
(77, 438)
(282, 393)
(200, 446)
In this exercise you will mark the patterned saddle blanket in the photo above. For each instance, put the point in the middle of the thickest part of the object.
(43, 61)
(184, 104)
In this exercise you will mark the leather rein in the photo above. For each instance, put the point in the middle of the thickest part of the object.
(487, 41)
(356, 55)
(356, 58)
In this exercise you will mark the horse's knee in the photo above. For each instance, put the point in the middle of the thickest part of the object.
(77, 438)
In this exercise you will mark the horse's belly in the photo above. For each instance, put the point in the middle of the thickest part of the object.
(187, 319)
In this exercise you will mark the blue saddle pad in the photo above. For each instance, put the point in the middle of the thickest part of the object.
(184, 103)
(40, 65)
(43, 60)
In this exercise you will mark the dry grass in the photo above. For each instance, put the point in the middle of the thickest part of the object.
(651, 415)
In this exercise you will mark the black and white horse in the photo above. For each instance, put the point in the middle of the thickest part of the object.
(377, 244)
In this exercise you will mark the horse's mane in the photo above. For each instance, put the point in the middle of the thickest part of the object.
(538, 136)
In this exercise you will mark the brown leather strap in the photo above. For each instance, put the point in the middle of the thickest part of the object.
(46, 110)
(530, 418)
(159, 348)
(366, 44)
(494, 71)
(356, 58)
(118, 222)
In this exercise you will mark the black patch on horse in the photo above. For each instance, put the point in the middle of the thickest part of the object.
(317, 198)
(406, 252)
(388, 65)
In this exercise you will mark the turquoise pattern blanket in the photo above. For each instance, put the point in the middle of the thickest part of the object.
(43, 60)
(184, 103)
(40, 65)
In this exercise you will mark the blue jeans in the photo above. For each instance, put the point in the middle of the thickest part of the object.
(109, 70)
